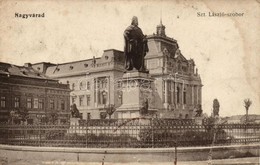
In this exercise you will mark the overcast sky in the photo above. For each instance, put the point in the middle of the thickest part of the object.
(225, 49)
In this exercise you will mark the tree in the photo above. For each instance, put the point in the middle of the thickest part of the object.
(216, 106)
(23, 114)
(19, 116)
(13, 115)
(53, 117)
(247, 104)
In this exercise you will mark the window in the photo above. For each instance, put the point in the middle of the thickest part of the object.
(62, 105)
(178, 95)
(51, 104)
(102, 97)
(40, 103)
(81, 100)
(104, 94)
(120, 98)
(88, 100)
(73, 100)
(118, 84)
(82, 85)
(88, 85)
(184, 97)
(88, 116)
(29, 103)
(73, 86)
(3, 101)
(35, 103)
(17, 102)
(104, 83)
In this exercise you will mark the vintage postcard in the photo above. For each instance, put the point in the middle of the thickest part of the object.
(129, 82)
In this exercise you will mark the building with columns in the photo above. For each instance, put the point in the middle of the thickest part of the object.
(177, 83)
(94, 82)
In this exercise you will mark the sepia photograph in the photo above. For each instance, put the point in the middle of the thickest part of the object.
(129, 82)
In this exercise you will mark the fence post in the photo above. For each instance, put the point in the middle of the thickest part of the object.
(152, 133)
(246, 133)
(175, 153)
(86, 135)
(39, 135)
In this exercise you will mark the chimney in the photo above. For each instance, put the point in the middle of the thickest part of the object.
(27, 65)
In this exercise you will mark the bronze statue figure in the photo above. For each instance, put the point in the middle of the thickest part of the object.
(135, 47)
(74, 111)
(144, 108)
(198, 111)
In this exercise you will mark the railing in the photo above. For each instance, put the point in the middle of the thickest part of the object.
(133, 133)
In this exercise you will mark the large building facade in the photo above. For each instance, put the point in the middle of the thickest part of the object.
(177, 83)
(95, 82)
(23, 89)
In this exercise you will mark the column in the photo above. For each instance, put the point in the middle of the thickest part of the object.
(108, 90)
(172, 92)
(198, 95)
(182, 94)
(96, 91)
(175, 93)
(166, 94)
(166, 91)
(192, 95)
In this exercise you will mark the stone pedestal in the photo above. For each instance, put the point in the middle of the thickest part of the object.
(136, 88)
(199, 120)
(74, 121)
(74, 126)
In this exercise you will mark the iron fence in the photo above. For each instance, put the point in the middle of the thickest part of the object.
(132, 133)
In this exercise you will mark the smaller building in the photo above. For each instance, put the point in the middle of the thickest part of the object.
(24, 90)
(242, 119)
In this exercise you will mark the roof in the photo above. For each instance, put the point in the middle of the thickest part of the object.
(108, 59)
(23, 71)
(242, 117)
(251, 117)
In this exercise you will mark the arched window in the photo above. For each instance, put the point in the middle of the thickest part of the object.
(88, 85)
(104, 97)
(180, 116)
(186, 116)
(82, 85)
(184, 96)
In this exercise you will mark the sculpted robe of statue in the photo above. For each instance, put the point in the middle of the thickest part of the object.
(135, 47)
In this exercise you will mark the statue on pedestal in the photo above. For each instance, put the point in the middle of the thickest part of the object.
(135, 47)
(74, 111)
(145, 106)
